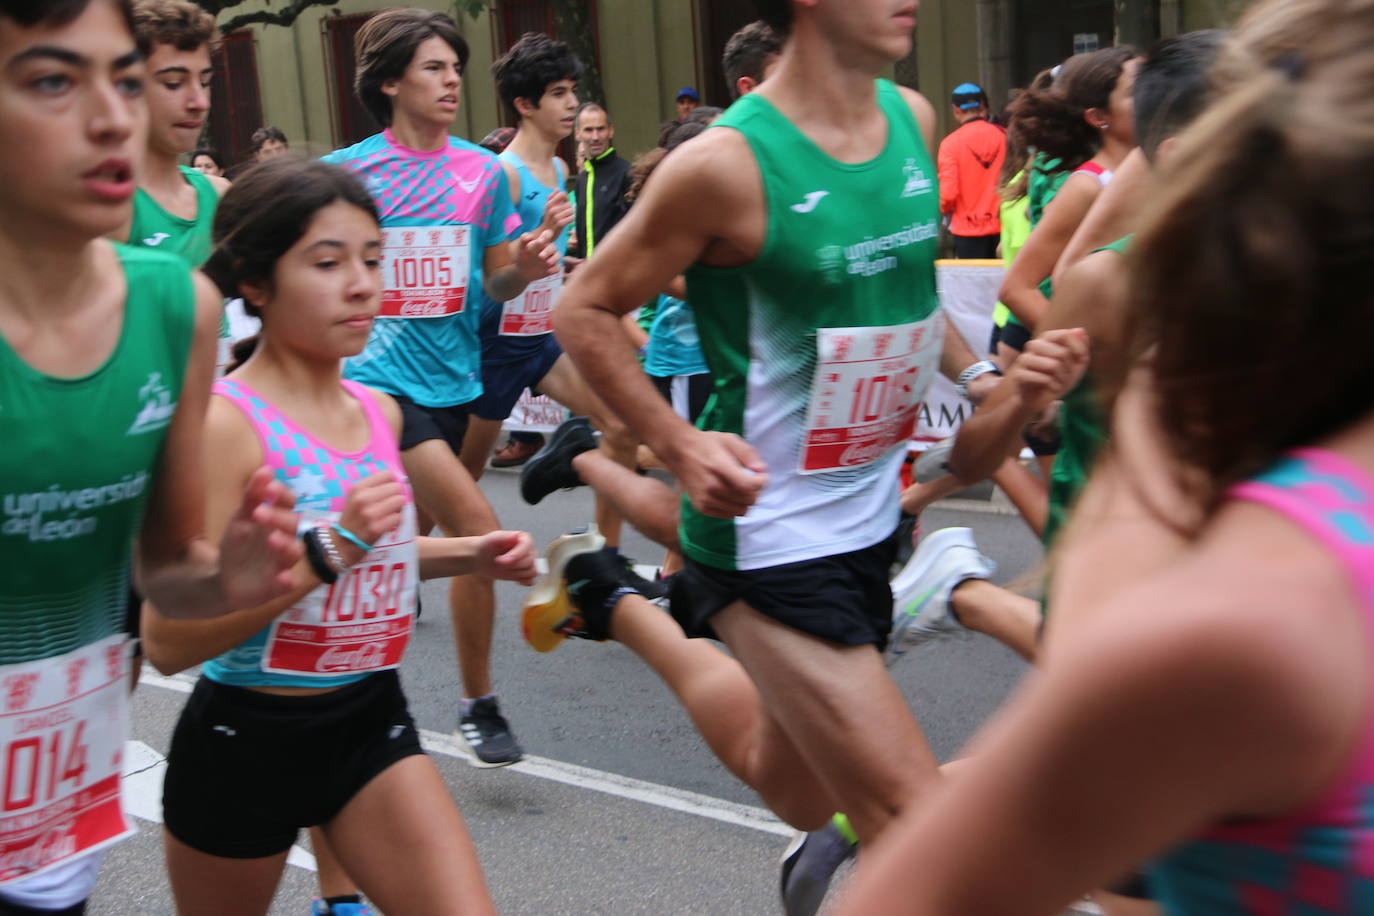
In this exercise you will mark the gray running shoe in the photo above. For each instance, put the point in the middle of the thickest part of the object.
(808, 866)
(487, 734)
(921, 591)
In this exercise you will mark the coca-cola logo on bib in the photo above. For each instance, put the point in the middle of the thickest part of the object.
(357, 658)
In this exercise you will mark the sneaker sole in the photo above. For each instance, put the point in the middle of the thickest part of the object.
(549, 604)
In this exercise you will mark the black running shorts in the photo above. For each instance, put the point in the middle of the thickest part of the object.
(420, 424)
(844, 599)
(247, 770)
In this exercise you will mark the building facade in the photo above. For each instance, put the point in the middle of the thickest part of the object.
(299, 78)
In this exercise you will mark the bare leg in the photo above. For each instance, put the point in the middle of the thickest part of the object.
(1027, 493)
(870, 755)
(565, 385)
(1009, 618)
(404, 840)
(478, 442)
(648, 504)
(724, 705)
(206, 885)
(451, 497)
(333, 880)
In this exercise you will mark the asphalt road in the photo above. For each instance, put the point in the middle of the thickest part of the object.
(619, 808)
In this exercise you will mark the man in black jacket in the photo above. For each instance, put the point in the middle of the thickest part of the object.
(602, 182)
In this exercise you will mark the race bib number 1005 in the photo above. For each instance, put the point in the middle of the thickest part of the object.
(425, 271)
(63, 722)
(866, 392)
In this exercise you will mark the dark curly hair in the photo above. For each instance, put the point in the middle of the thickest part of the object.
(1049, 115)
(533, 63)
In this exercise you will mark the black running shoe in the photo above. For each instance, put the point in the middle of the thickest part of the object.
(552, 468)
(808, 865)
(653, 589)
(488, 735)
(595, 582)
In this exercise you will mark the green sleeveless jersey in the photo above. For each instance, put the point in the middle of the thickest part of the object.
(1082, 430)
(154, 227)
(77, 467)
(821, 349)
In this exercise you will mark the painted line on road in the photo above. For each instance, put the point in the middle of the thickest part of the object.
(569, 774)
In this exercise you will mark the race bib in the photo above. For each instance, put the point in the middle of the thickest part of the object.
(63, 722)
(531, 313)
(361, 623)
(425, 271)
(866, 392)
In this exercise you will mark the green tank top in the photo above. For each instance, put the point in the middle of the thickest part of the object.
(834, 326)
(77, 467)
(154, 227)
(1083, 429)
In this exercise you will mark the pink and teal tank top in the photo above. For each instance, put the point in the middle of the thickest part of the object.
(338, 633)
(1319, 860)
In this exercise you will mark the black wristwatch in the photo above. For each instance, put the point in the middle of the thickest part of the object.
(317, 558)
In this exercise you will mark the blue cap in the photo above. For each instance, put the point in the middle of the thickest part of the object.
(968, 96)
(687, 92)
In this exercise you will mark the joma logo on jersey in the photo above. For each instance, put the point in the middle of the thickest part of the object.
(158, 407)
(916, 181)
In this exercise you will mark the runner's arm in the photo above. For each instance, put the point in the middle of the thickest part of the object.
(1113, 216)
(706, 200)
(956, 356)
(1048, 369)
(508, 268)
(1035, 261)
(1176, 712)
(219, 183)
(178, 567)
(1092, 296)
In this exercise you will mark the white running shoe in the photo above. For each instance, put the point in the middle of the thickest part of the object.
(921, 591)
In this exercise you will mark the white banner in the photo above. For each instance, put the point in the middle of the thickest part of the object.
(533, 414)
(968, 293)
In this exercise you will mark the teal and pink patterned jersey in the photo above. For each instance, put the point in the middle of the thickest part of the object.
(1319, 860)
(441, 210)
(340, 633)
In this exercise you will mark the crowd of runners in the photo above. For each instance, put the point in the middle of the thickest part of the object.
(233, 414)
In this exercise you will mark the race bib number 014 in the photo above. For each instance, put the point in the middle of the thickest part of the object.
(531, 313)
(361, 623)
(425, 271)
(866, 392)
(63, 722)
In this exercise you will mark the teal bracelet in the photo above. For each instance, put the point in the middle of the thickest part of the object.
(352, 538)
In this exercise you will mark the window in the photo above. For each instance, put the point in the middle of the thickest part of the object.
(236, 106)
(1048, 31)
(521, 16)
(352, 122)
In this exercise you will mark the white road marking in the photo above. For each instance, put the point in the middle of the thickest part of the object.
(144, 769)
(569, 774)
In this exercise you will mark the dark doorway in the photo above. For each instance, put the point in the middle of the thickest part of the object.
(236, 105)
(719, 20)
(352, 122)
(1045, 32)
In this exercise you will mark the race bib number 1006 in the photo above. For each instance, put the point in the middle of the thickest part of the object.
(425, 271)
(866, 392)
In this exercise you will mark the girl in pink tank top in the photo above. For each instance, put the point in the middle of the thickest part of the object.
(1206, 697)
(298, 720)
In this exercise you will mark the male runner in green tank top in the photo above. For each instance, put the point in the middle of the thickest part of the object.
(174, 207)
(807, 222)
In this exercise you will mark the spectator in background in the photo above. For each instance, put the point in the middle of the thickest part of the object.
(206, 161)
(602, 182)
(268, 143)
(749, 57)
(970, 162)
(687, 99)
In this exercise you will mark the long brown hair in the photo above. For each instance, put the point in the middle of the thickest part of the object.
(1048, 116)
(1253, 278)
